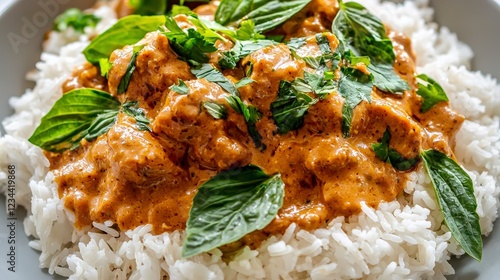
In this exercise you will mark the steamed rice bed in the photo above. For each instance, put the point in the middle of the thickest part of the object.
(402, 239)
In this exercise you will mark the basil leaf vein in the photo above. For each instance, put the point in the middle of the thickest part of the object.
(231, 205)
(455, 193)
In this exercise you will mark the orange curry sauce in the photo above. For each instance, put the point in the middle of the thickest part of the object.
(134, 177)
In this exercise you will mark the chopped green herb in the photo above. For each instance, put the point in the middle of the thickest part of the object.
(208, 72)
(127, 31)
(455, 193)
(192, 46)
(290, 108)
(76, 19)
(296, 43)
(385, 153)
(432, 93)
(132, 109)
(216, 110)
(324, 44)
(240, 50)
(250, 113)
(180, 88)
(243, 82)
(125, 80)
(71, 117)
(266, 14)
(231, 205)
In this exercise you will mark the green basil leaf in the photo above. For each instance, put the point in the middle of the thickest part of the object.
(216, 110)
(105, 66)
(364, 34)
(132, 109)
(180, 88)
(127, 31)
(382, 149)
(76, 19)
(207, 33)
(149, 7)
(208, 72)
(180, 10)
(231, 205)
(240, 50)
(100, 125)
(384, 152)
(385, 79)
(70, 118)
(125, 80)
(266, 14)
(296, 43)
(247, 31)
(455, 194)
(431, 91)
(354, 86)
(324, 44)
(251, 115)
(290, 108)
(192, 46)
(243, 82)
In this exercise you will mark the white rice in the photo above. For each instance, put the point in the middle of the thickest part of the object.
(401, 239)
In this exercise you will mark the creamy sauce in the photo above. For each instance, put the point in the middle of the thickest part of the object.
(134, 177)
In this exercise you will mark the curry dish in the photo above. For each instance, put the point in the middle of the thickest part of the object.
(133, 177)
